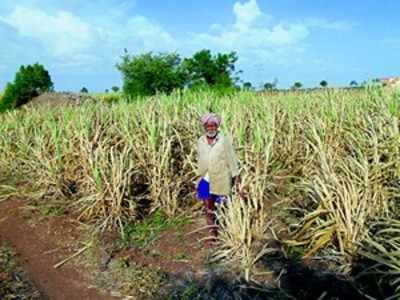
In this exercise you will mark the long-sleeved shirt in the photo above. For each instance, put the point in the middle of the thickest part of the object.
(219, 162)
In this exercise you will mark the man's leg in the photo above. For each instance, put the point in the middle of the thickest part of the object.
(210, 215)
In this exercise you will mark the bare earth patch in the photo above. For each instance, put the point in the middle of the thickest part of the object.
(43, 239)
(171, 265)
(14, 283)
(40, 246)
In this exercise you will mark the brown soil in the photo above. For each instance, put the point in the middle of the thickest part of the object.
(40, 246)
(14, 282)
(180, 255)
(40, 243)
(174, 253)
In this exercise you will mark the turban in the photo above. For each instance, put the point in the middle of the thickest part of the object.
(210, 117)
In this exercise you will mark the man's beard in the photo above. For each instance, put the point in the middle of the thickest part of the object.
(211, 134)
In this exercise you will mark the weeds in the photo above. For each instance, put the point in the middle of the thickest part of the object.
(144, 233)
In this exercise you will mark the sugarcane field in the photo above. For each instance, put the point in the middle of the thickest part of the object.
(140, 159)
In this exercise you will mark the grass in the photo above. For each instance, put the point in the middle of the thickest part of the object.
(332, 155)
(144, 233)
(127, 279)
(49, 210)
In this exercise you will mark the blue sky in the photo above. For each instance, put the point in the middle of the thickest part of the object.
(80, 41)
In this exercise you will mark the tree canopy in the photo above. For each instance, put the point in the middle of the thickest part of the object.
(149, 73)
(353, 83)
(297, 85)
(30, 81)
(323, 83)
(212, 70)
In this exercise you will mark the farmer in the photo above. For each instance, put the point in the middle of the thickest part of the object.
(217, 167)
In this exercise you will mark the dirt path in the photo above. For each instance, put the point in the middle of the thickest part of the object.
(39, 247)
(180, 255)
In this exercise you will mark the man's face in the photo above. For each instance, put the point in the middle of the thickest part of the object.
(211, 129)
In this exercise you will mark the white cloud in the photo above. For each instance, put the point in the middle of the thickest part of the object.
(122, 9)
(254, 36)
(62, 33)
(340, 25)
(254, 33)
(246, 14)
(263, 43)
(152, 35)
(73, 41)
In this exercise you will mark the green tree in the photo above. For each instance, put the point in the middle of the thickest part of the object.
(206, 69)
(353, 83)
(269, 86)
(323, 83)
(9, 96)
(247, 86)
(84, 90)
(30, 81)
(150, 73)
(297, 85)
(115, 89)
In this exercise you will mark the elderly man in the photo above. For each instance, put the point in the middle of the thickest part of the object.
(217, 167)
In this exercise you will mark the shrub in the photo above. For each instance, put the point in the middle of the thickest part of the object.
(8, 99)
(353, 83)
(297, 85)
(247, 86)
(150, 73)
(269, 86)
(30, 81)
(213, 70)
(323, 83)
(111, 98)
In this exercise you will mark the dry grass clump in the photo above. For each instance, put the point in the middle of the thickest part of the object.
(245, 228)
(382, 245)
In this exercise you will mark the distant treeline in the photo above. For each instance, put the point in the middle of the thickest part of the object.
(150, 73)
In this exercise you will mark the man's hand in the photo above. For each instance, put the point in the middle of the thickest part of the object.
(194, 188)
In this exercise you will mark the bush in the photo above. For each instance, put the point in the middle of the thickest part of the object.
(8, 99)
(323, 83)
(111, 98)
(297, 85)
(29, 82)
(213, 70)
(269, 86)
(247, 86)
(149, 73)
